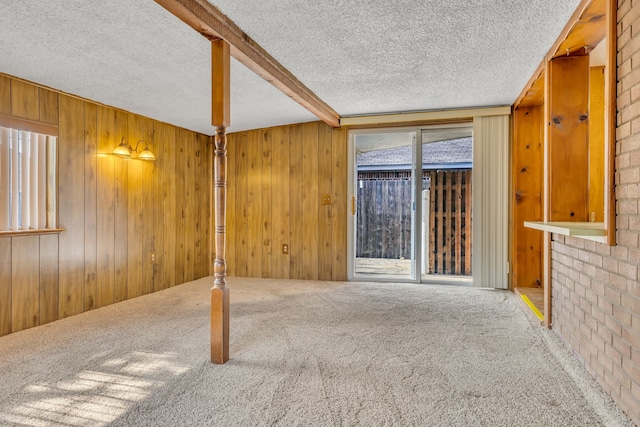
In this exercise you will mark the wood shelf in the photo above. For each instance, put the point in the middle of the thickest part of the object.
(587, 230)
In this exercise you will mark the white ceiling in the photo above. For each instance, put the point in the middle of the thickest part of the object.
(359, 56)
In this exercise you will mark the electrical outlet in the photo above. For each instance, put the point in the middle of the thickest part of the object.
(285, 249)
(153, 257)
(326, 199)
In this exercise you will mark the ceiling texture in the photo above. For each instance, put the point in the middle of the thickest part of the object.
(361, 57)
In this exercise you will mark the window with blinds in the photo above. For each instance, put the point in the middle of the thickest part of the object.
(27, 180)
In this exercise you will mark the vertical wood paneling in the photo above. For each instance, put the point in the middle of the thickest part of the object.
(569, 138)
(71, 171)
(200, 209)
(191, 237)
(24, 100)
(181, 208)
(5, 95)
(147, 218)
(232, 232)
(121, 174)
(340, 203)
(307, 161)
(325, 212)
(239, 187)
(526, 202)
(596, 143)
(267, 207)
(90, 206)
(296, 188)
(158, 213)
(25, 266)
(254, 204)
(169, 199)
(48, 278)
(135, 213)
(115, 212)
(105, 218)
(48, 106)
(5, 285)
(310, 201)
(281, 202)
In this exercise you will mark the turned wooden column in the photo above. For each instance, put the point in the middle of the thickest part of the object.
(220, 67)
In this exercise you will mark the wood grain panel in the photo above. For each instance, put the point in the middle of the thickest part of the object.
(596, 143)
(190, 211)
(281, 202)
(105, 216)
(201, 200)
(207, 212)
(267, 207)
(254, 204)
(569, 138)
(90, 206)
(24, 100)
(71, 171)
(526, 202)
(135, 232)
(25, 266)
(121, 237)
(169, 193)
(5, 285)
(310, 201)
(146, 221)
(48, 278)
(90, 263)
(5, 95)
(181, 208)
(232, 217)
(296, 189)
(340, 203)
(325, 212)
(158, 214)
(48, 106)
(239, 187)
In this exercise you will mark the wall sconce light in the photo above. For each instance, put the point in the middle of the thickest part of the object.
(124, 150)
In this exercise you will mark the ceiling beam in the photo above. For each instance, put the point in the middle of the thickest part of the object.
(207, 20)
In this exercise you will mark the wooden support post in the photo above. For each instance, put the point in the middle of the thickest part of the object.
(220, 67)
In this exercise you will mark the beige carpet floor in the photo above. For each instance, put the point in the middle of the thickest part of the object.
(303, 353)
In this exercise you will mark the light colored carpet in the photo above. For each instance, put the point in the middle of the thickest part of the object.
(302, 353)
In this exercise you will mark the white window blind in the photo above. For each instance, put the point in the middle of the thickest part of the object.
(27, 180)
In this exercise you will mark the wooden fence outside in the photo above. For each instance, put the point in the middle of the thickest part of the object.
(384, 218)
(450, 223)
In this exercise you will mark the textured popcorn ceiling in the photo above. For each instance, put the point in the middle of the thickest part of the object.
(359, 56)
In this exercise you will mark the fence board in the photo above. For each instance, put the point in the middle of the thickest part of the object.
(384, 218)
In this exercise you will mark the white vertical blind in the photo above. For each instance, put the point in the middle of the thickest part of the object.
(42, 181)
(27, 161)
(490, 212)
(25, 177)
(52, 220)
(33, 180)
(15, 180)
(5, 182)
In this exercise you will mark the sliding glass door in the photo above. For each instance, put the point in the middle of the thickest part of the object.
(411, 204)
(384, 205)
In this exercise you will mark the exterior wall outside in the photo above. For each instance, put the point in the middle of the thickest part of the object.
(596, 292)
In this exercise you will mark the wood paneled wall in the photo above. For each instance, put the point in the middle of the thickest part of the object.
(117, 214)
(277, 178)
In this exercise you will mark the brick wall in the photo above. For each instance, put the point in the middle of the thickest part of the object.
(596, 294)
